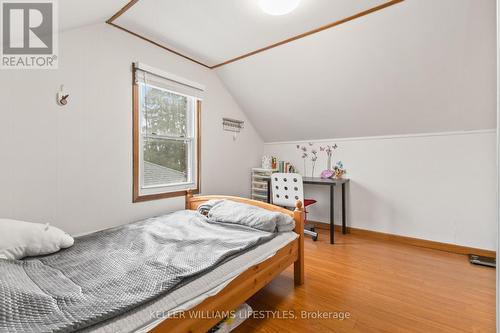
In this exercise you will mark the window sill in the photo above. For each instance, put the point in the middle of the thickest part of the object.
(158, 196)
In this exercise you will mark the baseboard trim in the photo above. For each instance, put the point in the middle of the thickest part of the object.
(409, 240)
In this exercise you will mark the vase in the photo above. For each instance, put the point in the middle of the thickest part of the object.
(328, 173)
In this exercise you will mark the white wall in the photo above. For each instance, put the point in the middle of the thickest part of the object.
(72, 166)
(437, 187)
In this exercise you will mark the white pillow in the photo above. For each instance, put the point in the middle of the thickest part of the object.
(19, 239)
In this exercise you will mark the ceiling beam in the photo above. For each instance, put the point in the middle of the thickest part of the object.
(122, 11)
(159, 45)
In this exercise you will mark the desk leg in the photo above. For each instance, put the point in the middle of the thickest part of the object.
(344, 227)
(332, 214)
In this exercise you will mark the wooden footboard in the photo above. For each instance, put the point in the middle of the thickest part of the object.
(201, 319)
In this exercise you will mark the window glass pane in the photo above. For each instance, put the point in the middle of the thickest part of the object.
(165, 161)
(164, 113)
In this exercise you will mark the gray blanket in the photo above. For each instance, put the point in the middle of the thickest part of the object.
(109, 272)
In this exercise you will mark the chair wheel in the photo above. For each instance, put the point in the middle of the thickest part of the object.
(315, 238)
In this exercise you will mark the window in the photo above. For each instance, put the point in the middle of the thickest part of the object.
(166, 134)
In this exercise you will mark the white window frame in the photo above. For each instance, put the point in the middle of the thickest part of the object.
(142, 192)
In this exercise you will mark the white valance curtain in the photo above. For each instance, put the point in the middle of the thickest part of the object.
(158, 78)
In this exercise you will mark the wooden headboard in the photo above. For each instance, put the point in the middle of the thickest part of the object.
(193, 203)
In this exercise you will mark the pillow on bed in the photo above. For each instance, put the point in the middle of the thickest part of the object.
(227, 211)
(19, 239)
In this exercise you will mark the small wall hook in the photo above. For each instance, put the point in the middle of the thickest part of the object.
(62, 98)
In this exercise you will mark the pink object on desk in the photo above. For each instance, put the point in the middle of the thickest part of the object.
(327, 174)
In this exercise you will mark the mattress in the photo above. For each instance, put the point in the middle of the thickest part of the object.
(151, 314)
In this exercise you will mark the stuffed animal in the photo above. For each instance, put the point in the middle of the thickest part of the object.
(339, 169)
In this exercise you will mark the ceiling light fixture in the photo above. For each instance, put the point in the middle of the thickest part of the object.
(278, 7)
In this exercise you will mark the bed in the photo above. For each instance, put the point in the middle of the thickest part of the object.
(251, 280)
(165, 269)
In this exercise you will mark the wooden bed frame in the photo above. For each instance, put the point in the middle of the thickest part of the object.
(248, 282)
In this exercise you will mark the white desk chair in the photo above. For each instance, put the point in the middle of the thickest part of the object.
(286, 189)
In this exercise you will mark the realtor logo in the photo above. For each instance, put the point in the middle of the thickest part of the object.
(29, 34)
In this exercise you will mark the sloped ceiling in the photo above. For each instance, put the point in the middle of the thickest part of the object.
(214, 31)
(77, 13)
(418, 66)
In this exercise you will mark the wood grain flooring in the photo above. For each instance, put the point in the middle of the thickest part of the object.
(384, 286)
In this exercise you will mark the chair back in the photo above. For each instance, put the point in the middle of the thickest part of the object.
(286, 189)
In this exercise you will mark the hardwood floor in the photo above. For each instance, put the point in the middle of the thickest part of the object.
(384, 286)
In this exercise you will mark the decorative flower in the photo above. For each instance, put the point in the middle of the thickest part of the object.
(314, 157)
(329, 149)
